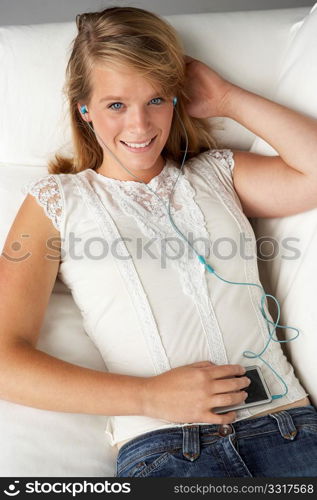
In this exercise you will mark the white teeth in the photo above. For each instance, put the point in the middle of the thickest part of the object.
(132, 145)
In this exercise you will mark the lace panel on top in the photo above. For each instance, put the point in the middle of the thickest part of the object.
(225, 155)
(47, 193)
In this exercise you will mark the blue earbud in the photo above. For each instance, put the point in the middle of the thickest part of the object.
(174, 101)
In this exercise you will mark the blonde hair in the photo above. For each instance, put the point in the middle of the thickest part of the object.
(146, 43)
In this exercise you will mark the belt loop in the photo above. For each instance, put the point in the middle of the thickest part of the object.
(191, 443)
(285, 424)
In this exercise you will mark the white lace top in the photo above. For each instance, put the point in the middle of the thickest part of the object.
(147, 302)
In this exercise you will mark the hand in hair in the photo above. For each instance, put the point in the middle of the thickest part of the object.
(206, 90)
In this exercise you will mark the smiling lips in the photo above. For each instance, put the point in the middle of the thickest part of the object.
(139, 147)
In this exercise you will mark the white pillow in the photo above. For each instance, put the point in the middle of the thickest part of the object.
(293, 282)
(42, 443)
(32, 85)
(12, 179)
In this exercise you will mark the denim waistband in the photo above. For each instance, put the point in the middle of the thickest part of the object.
(192, 436)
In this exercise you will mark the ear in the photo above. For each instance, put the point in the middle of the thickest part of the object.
(85, 116)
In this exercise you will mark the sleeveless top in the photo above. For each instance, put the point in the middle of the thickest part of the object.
(146, 301)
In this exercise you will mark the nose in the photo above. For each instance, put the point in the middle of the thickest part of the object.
(139, 121)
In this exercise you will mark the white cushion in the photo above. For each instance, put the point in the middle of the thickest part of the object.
(293, 282)
(34, 121)
(12, 178)
(42, 443)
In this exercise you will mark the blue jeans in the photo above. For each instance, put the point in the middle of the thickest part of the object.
(281, 444)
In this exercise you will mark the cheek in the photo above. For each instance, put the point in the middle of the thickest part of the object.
(167, 128)
(165, 122)
(109, 126)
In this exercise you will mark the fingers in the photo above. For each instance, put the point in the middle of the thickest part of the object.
(230, 399)
(223, 400)
(223, 371)
(229, 385)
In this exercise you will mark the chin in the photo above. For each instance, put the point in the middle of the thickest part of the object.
(140, 160)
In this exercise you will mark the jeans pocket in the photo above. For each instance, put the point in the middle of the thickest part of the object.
(149, 464)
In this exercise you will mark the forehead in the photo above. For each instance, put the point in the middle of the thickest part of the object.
(120, 80)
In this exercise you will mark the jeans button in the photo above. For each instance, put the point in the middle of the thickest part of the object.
(225, 430)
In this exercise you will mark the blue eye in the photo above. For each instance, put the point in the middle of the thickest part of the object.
(111, 106)
(115, 109)
(160, 98)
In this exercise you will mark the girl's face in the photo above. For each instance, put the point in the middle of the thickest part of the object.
(126, 108)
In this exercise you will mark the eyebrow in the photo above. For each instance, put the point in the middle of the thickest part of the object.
(118, 98)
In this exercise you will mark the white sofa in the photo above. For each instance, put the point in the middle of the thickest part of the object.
(269, 52)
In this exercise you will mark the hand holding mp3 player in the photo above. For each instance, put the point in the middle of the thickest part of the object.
(258, 392)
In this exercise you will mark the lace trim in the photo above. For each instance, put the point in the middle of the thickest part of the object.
(135, 200)
(159, 186)
(47, 193)
(153, 182)
(224, 155)
(127, 269)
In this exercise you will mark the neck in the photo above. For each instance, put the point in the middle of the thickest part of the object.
(142, 175)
